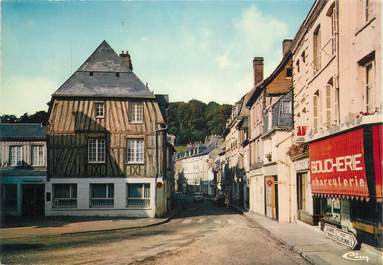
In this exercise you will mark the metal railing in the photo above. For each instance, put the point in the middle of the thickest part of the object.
(101, 203)
(65, 203)
(138, 203)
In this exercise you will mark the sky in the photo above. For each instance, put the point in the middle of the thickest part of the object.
(187, 49)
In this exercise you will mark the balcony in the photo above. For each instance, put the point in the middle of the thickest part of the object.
(280, 116)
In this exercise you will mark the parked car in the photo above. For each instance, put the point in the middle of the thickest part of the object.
(198, 197)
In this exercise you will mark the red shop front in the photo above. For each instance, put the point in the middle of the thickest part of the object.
(346, 181)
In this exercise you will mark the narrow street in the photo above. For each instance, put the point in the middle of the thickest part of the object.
(201, 234)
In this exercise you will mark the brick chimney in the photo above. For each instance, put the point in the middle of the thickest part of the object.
(126, 58)
(258, 70)
(286, 44)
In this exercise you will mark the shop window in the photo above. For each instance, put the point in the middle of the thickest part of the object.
(138, 195)
(101, 196)
(64, 195)
(363, 211)
(9, 196)
(331, 210)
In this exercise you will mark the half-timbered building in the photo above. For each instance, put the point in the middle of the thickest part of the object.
(106, 139)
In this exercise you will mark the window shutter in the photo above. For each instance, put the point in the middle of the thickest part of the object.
(315, 103)
(130, 111)
(328, 104)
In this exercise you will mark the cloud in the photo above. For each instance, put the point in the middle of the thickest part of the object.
(22, 94)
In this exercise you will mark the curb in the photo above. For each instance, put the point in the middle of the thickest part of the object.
(172, 214)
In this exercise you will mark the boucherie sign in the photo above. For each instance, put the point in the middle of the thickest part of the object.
(337, 165)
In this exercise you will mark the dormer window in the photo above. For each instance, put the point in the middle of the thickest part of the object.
(99, 107)
(91, 73)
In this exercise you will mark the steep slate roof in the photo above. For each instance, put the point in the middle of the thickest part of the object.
(22, 131)
(104, 62)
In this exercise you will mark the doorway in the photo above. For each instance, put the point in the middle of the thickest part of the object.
(271, 194)
(33, 199)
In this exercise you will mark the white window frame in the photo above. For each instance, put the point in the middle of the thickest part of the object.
(285, 103)
(144, 199)
(98, 143)
(100, 112)
(39, 154)
(62, 202)
(369, 85)
(18, 155)
(137, 115)
(106, 198)
(133, 154)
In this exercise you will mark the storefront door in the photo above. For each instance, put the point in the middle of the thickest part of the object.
(33, 199)
(271, 199)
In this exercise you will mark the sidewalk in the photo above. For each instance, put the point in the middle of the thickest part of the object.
(310, 243)
(67, 226)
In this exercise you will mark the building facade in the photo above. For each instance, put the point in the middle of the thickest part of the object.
(107, 142)
(23, 168)
(337, 117)
(195, 166)
(271, 185)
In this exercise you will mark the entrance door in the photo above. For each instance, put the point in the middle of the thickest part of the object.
(33, 199)
(271, 197)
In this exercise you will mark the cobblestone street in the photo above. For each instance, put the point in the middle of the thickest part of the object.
(202, 234)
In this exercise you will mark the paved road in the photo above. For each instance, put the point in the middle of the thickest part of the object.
(202, 234)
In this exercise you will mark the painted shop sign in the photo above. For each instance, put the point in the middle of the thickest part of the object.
(343, 237)
(337, 165)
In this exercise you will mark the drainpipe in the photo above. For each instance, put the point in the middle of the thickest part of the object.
(157, 131)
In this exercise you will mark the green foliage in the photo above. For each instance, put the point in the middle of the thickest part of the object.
(194, 120)
(38, 117)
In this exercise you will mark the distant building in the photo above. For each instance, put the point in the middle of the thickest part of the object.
(195, 166)
(23, 156)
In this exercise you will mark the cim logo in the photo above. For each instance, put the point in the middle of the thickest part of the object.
(354, 256)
